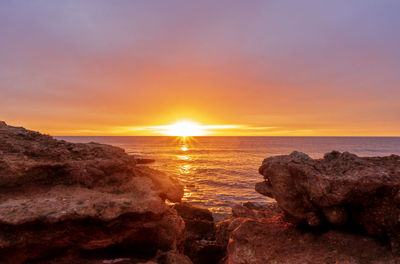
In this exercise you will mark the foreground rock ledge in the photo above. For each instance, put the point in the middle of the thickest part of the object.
(83, 203)
(341, 189)
(262, 236)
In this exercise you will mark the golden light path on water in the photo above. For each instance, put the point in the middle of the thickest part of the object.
(206, 185)
(185, 169)
(185, 132)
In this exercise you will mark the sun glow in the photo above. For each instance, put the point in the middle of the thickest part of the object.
(184, 129)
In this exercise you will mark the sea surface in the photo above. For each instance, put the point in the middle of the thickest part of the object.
(218, 172)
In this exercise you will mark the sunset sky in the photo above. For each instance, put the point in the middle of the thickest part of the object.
(282, 68)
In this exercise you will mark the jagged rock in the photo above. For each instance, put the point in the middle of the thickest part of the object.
(265, 237)
(81, 201)
(200, 244)
(340, 189)
(199, 222)
(264, 189)
(239, 214)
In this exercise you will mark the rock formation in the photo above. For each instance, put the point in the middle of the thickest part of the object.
(83, 203)
(341, 189)
(200, 242)
(262, 236)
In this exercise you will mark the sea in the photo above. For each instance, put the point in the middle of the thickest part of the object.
(218, 172)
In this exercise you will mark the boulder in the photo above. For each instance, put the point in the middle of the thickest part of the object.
(200, 244)
(84, 203)
(265, 237)
(341, 189)
(199, 221)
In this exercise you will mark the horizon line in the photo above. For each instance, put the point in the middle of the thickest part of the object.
(213, 136)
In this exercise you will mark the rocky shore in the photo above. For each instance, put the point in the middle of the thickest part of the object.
(90, 203)
(83, 203)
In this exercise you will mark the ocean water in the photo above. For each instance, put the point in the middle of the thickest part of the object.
(218, 172)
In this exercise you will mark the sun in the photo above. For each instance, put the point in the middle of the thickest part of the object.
(184, 129)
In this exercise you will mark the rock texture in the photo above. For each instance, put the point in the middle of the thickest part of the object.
(263, 236)
(200, 242)
(341, 189)
(88, 201)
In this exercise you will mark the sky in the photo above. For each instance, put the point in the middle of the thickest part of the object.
(273, 68)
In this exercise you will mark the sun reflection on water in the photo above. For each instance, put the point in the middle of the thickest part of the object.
(183, 157)
(186, 194)
(184, 148)
(185, 169)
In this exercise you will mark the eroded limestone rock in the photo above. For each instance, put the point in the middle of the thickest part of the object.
(65, 200)
(263, 236)
(340, 189)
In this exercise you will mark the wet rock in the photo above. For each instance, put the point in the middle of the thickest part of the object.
(83, 203)
(340, 189)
